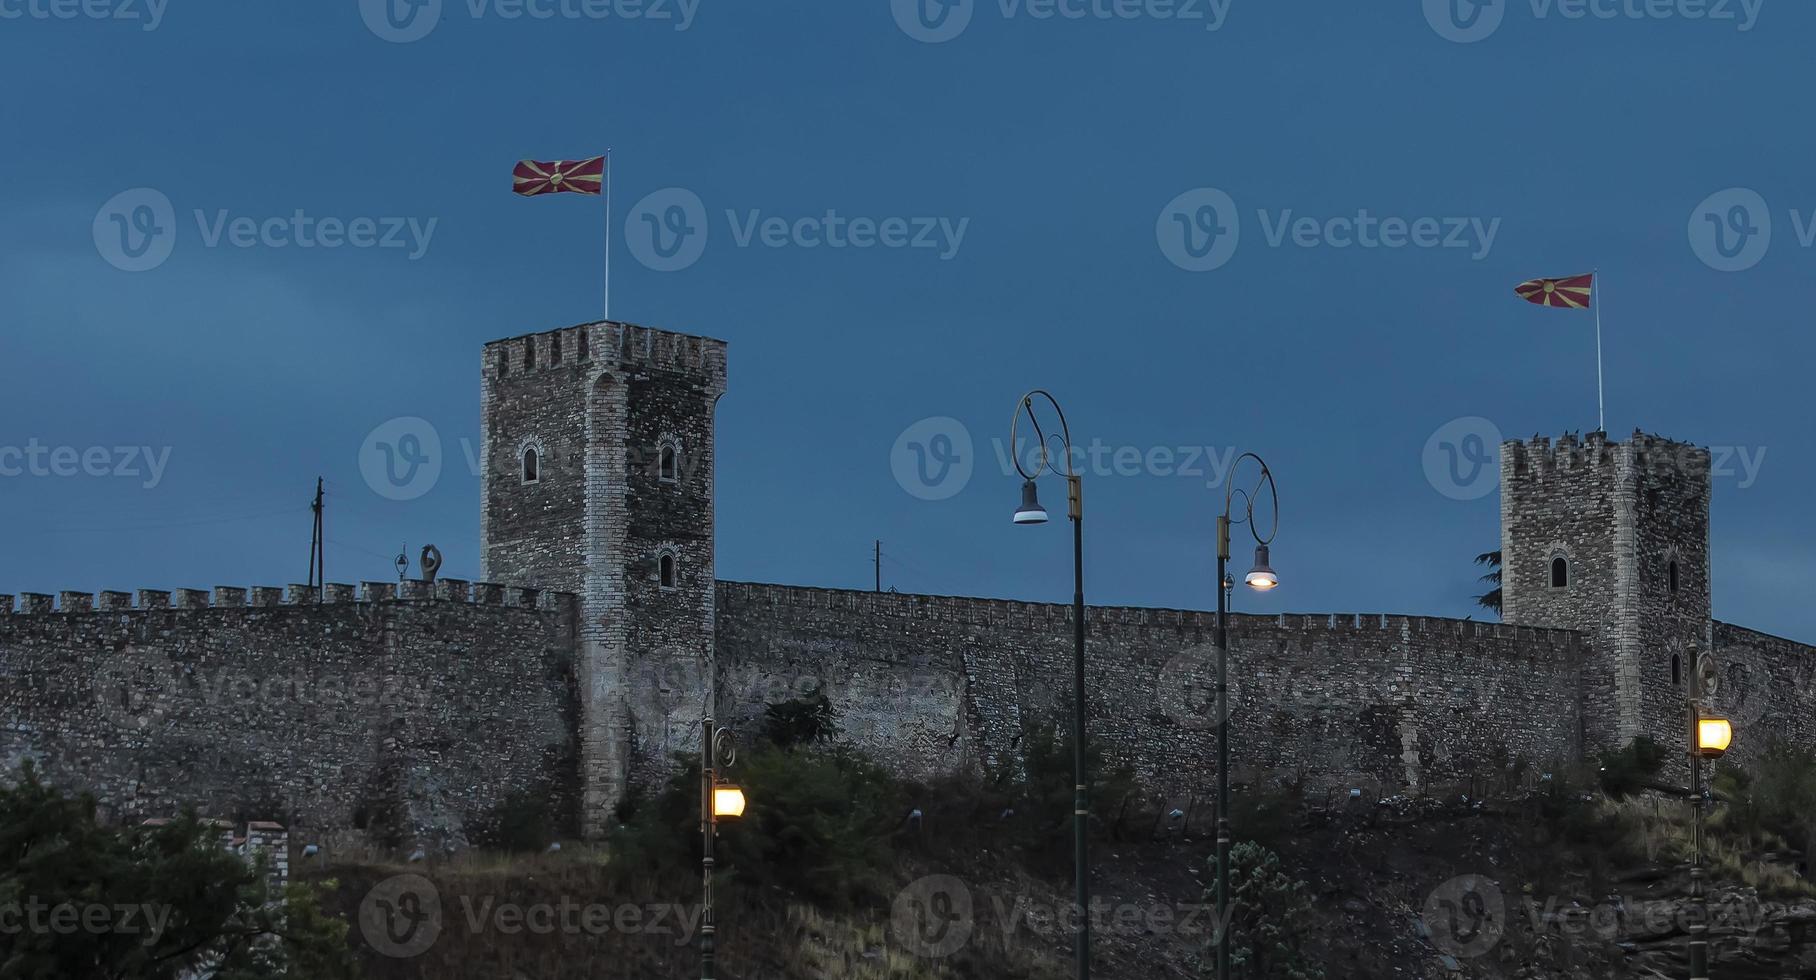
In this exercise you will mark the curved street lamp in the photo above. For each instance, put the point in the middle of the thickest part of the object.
(718, 799)
(1261, 578)
(1709, 738)
(1031, 512)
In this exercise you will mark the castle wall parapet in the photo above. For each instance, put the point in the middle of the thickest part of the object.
(1014, 612)
(607, 343)
(459, 591)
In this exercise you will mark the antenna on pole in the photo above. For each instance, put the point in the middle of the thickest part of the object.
(318, 558)
(879, 566)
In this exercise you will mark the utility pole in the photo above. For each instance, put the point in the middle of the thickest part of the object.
(879, 565)
(318, 558)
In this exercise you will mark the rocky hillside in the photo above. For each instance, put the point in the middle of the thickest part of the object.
(1525, 887)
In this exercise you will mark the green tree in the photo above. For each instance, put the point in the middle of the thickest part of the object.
(156, 903)
(1491, 600)
(1269, 920)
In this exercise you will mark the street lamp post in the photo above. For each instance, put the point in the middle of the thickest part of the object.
(1031, 512)
(1262, 579)
(717, 799)
(1709, 739)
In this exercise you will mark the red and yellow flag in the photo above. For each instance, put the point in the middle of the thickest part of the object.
(1573, 293)
(533, 177)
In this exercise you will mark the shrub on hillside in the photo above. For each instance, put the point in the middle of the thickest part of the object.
(1270, 918)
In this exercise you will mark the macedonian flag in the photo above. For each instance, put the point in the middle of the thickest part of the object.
(1574, 293)
(533, 177)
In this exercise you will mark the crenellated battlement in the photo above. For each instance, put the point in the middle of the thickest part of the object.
(606, 342)
(1539, 455)
(1570, 451)
(809, 600)
(290, 596)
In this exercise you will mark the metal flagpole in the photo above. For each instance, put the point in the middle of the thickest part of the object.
(608, 233)
(1595, 300)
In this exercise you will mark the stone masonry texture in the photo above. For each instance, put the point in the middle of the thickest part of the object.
(408, 721)
(405, 717)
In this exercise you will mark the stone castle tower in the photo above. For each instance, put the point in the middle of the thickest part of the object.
(598, 480)
(1612, 540)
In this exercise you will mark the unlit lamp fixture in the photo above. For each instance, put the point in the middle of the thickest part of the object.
(1030, 511)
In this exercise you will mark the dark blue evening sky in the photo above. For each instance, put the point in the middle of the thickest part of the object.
(1058, 143)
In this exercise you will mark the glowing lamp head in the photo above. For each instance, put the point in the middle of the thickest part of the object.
(1713, 736)
(1261, 578)
(1030, 511)
(728, 802)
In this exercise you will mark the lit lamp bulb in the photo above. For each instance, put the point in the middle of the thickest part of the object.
(1261, 578)
(1713, 736)
(728, 801)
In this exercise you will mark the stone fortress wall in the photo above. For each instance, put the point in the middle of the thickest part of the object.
(400, 720)
(1384, 704)
(407, 717)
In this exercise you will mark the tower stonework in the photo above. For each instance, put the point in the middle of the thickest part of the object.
(1612, 540)
(597, 443)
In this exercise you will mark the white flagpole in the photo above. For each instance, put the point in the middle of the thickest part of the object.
(1595, 300)
(608, 234)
